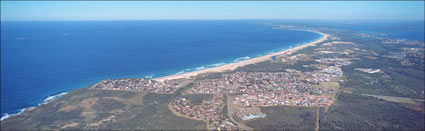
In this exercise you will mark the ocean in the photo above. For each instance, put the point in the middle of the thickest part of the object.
(42, 60)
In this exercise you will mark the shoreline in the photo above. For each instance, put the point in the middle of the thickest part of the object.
(188, 75)
(233, 66)
(45, 101)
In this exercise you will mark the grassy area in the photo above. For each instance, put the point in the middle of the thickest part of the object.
(356, 112)
(285, 118)
(269, 66)
(197, 99)
(398, 99)
(328, 85)
(104, 110)
(377, 84)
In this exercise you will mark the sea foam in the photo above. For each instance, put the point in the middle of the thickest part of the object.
(6, 115)
(212, 65)
(45, 101)
(51, 98)
(149, 76)
(242, 59)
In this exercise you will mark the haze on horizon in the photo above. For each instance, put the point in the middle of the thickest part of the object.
(190, 10)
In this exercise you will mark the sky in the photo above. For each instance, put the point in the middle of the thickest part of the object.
(210, 10)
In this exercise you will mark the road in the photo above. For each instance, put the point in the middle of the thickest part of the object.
(318, 118)
(229, 112)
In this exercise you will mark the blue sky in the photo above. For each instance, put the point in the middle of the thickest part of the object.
(148, 10)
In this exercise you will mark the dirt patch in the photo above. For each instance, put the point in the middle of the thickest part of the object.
(70, 125)
(110, 118)
(67, 108)
(89, 102)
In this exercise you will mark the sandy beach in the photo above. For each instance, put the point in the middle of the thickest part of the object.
(233, 66)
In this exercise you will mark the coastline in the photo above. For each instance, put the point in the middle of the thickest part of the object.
(225, 67)
(233, 66)
(45, 101)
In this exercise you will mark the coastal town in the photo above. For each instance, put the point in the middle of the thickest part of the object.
(211, 111)
(141, 85)
(406, 53)
(238, 96)
(246, 92)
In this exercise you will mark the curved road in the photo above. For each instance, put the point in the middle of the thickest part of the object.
(229, 112)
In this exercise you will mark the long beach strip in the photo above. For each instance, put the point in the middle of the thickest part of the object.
(233, 66)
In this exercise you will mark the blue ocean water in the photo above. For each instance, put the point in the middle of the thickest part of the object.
(42, 59)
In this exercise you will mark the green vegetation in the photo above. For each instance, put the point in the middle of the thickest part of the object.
(104, 110)
(266, 66)
(197, 99)
(354, 112)
(214, 75)
(285, 118)
(399, 99)
(269, 66)
(225, 111)
(399, 104)
(396, 80)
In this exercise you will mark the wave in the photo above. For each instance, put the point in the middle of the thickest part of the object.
(149, 76)
(6, 115)
(207, 66)
(242, 59)
(181, 72)
(51, 98)
(186, 70)
(212, 65)
(200, 68)
(45, 101)
(216, 65)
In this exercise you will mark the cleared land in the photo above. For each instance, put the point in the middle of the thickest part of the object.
(285, 118)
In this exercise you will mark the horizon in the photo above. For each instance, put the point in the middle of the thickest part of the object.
(334, 20)
(217, 10)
